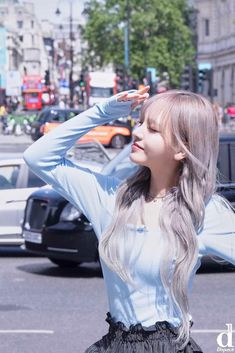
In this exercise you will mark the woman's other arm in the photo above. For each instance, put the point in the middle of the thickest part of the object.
(218, 233)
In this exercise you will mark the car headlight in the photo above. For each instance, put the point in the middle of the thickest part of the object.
(70, 213)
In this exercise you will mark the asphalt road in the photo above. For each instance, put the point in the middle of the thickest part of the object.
(10, 144)
(45, 309)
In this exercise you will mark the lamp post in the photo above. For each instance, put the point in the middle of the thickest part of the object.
(71, 88)
(126, 45)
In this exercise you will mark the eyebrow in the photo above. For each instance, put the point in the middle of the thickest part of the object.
(152, 121)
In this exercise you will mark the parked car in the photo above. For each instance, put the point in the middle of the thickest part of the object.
(49, 118)
(116, 133)
(17, 182)
(53, 227)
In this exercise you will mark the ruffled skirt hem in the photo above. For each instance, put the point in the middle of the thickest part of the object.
(139, 339)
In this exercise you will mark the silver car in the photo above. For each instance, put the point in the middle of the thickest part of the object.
(17, 182)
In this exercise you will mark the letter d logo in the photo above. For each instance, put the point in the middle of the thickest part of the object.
(228, 333)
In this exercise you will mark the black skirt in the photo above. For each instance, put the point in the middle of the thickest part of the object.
(157, 339)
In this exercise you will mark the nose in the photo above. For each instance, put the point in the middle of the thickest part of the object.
(137, 133)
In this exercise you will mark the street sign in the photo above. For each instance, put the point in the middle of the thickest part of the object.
(13, 83)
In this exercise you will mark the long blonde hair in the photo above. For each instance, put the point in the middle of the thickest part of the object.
(193, 126)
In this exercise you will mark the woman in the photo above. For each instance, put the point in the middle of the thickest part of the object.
(154, 227)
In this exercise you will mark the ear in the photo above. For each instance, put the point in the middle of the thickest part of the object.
(179, 156)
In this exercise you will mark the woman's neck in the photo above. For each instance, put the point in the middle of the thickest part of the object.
(161, 184)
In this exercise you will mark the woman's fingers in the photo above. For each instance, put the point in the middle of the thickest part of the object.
(144, 90)
(138, 97)
(132, 96)
(125, 96)
(138, 102)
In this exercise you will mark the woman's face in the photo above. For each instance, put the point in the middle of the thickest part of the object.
(151, 148)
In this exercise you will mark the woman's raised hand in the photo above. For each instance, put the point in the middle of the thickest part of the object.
(138, 97)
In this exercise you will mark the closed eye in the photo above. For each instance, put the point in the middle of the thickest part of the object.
(153, 130)
(139, 123)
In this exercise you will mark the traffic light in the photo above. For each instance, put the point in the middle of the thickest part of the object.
(205, 82)
(47, 78)
(186, 79)
(201, 79)
(209, 77)
(81, 82)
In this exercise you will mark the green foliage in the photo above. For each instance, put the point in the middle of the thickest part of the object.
(159, 36)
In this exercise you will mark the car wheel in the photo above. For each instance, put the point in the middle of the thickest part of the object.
(64, 263)
(118, 141)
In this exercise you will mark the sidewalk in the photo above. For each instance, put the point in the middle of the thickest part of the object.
(15, 140)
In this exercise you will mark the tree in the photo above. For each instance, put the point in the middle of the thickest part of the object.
(159, 36)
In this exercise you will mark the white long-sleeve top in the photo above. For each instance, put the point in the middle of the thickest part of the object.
(94, 194)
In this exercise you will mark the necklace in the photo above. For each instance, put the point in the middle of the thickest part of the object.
(155, 198)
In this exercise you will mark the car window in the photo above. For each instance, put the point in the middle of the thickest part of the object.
(42, 116)
(70, 115)
(56, 115)
(8, 176)
(119, 123)
(91, 152)
(225, 162)
(34, 181)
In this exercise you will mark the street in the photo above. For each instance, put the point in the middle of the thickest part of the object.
(46, 309)
(11, 145)
(60, 57)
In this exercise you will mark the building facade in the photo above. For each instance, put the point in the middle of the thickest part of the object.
(66, 38)
(19, 18)
(216, 45)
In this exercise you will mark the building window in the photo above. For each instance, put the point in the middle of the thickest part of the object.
(32, 24)
(33, 42)
(20, 24)
(207, 27)
(21, 38)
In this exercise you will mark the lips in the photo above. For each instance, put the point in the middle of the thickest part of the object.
(135, 144)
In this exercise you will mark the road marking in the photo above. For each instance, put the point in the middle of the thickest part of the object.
(47, 332)
(50, 332)
(18, 279)
(206, 331)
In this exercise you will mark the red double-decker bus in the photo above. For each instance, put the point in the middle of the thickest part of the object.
(35, 93)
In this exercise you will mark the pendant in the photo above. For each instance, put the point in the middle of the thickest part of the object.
(141, 229)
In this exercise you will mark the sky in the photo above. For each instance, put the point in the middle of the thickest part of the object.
(45, 9)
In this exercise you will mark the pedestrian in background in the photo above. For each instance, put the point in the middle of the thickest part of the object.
(61, 104)
(3, 117)
(154, 227)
